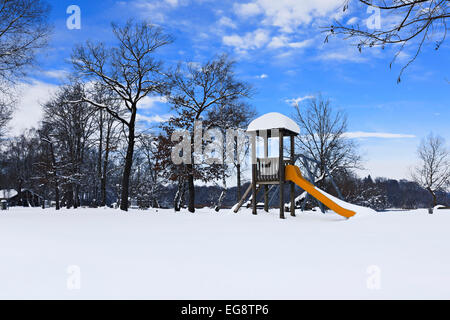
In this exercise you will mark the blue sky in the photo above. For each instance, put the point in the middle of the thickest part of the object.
(279, 48)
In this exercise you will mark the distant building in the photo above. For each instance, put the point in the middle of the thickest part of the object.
(27, 198)
(8, 194)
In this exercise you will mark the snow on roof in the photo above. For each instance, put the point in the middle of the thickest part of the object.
(273, 120)
(8, 194)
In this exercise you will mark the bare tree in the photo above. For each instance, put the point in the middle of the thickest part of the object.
(48, 167)
(107, 135)
(148, 146)
(5, 116)
(180, 173)
(415, 22)
(323, 138)
(130, 70)
(433, 171)
(73, 126)
(168, 170)
(111, 135)
(234, 117)
(23, 30)
(197, 89)
(21, 155)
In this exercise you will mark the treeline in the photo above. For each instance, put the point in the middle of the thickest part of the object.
(384, 193)
(76, 157)
(379, 194)
(88, 149)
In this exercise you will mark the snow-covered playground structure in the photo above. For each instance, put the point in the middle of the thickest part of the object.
(280, 170)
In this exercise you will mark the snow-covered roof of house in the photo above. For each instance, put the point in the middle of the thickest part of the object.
(273, 120)
(8, 194)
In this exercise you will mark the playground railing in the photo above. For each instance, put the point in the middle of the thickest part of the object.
(267, 169)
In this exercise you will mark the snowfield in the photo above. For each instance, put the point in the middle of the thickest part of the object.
(104, 253)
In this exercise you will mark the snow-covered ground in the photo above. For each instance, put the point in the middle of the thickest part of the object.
(103, 253)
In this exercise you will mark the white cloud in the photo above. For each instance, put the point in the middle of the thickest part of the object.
(173, 3)
(151, 102)
(352, 20)
(260, 38)
(284, 41)
(278, 42)
(194, 65)
(247, 9)
(288, 15)
(263, 76)
(157, 10)
(380, 135)
(251, 40)
(56, 74)
(341, 54)
(28, 112)
(153, 119)
(296, 101)
(301, 44)
(402, 57)
(227, 22)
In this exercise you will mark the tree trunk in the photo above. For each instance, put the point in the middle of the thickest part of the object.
(69, 197)
(105, 167)
(103, 190)
(103, 183)
(433, 196)
(57, 197)
(183, 196)
(222, 194)
(126, 174)
(191, 189)
(55, 176)
(76, 197)
(190, 171)
(128, 162)
(238, 178)
(19, 193)
(178, 195)
(99, 161)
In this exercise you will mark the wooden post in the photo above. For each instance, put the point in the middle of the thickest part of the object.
(266, 198)
(241, 202)
(254, 193)
(254, 160)
(292, 184)
(266, 187)
(281, 173)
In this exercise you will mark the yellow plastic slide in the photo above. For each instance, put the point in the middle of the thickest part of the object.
(293, 174)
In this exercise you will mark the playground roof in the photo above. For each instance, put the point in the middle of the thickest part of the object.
(274, 120)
